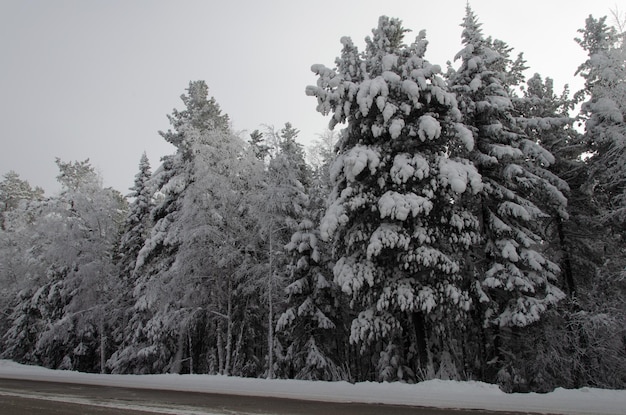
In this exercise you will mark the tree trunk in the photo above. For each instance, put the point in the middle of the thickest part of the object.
(220, 348)
(567, 262)
(229, 331)
(270, 319)
(178, 357)
(190, 340)
(103, 341)
(419, 325)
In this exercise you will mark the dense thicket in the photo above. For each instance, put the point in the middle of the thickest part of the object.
(466, 225)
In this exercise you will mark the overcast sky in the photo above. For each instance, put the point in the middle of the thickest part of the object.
(95, 79)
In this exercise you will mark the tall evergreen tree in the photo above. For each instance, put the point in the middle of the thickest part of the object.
(515, 278)
(597, 317)
(68, 305)
(138, 221)
(282, 205)
(188, 272)
(13, 190)
(398, 228)
(545, 119)
(604, 114)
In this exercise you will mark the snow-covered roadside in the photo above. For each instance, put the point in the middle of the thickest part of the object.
(435, 393)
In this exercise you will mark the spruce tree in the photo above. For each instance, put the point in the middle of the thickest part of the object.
(153, 340)
(68, 302)
(545, 119)
(515, 279)
(190, 287)
(597, 316)
(138, 221)
(604, 112)
(395, 217)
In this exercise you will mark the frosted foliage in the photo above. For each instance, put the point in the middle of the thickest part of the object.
(387, 236)
(500, 151)
(607, 109)
(354, 161)
(465, 135)
(537, 152)
(513, 209)
(395, 129)
(459, 175)
(433, 258)
(369, 327)
(286, 319)
(351, 275)
(389, 111)
(527, 310)
(429, 128)
(426, 299)
(399, 206)
(508, 250)
(389, 61)
(534, 259)
(323, 322)
(296, 287)
(334, 218)
(368, 91)
(406, 167)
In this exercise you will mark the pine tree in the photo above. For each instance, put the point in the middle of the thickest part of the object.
(12, 191)
(138, 222)
(134, 232)
(260, 149)
(395, 217)
(515, 279)
(604, 113)
(596, 316)
(20, 207)
(281, 207)
(73, 248)
(190, 269)
(544, 117)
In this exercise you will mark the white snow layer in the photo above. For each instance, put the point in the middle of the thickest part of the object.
(433, 393)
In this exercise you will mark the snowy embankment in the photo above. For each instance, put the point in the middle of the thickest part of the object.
(434, 393)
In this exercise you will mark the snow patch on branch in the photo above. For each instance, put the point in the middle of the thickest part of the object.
(458, 175)
(429, 128)
(406, 167)
(351, 275)
(353, 162)
(387, 236)
(399, 206)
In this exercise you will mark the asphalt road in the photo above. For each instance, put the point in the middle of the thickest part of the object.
(19, 397)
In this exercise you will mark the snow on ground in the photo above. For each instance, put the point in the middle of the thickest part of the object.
(434, 393)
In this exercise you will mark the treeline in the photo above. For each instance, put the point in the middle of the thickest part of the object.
(462, 227)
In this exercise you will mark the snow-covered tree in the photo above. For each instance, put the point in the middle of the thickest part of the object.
(20, 207)
(604, 114)
(75, 236)
(138, 221)
(281, 205)
(13, 190)
(515, 278)
(134, 232)
(545, 119)
(259, 147)
(516, 282)
(595, 319)
(395, 217)
(189, 271)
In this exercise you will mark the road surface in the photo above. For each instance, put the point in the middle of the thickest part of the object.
(20, 397)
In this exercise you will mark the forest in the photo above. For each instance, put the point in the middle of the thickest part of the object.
(461, 222)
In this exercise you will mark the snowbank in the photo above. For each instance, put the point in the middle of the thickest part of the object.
(434, 393)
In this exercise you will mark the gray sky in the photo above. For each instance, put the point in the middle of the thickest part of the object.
(96, 78)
